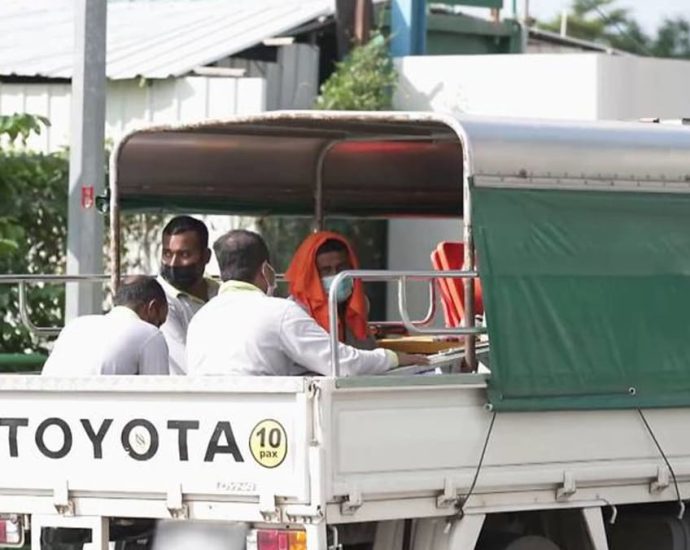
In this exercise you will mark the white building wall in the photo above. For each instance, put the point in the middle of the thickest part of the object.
(548, 86)
(630, 88)
(291, 82)
(567, 86)
(49, 100)
(131, 104)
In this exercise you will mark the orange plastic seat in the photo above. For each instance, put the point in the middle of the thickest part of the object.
(448, 256)
(450, 313)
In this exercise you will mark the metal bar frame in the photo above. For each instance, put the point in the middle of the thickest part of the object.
(467, 183)
(594, 523)
(468, 284)
(22, 281)
(468, 235)
(319, 211)
(319, 214)
(24, 316)
(430, 314)
(465, 531)
(115, 222)
(15, 279)
(402, 277)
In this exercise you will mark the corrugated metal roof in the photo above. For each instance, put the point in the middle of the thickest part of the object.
(569, 41)
(149, 39)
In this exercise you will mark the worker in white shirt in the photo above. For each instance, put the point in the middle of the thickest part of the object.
(184, 256)
(245, 331)
(124, 341)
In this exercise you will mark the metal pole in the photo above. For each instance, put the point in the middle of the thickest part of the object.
(86, 164)
(468, 265)
(319, 212)
(408, 27)
(403, 276)
(564, 23)
(333, 321)
(115, 236)
(362, 21)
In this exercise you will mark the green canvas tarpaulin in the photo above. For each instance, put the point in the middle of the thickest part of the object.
(587, 297)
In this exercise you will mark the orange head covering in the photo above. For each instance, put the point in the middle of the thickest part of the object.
(306, 288)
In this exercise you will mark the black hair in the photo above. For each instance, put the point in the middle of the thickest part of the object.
(182, 224)
(332, 245)
(240, 254)
(138, 291)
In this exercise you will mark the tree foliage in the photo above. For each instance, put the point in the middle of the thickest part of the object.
(33, 222)
(603, 21)
(363, 81)
(33, 231)
(673, 39)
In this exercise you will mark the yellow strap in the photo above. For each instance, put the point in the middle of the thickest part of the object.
(235, 286)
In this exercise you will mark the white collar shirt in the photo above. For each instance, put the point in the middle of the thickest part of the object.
(118, 342)
(244, 332)
(182, 306)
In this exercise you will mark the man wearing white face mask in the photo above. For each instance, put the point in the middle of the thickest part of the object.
(246, 331)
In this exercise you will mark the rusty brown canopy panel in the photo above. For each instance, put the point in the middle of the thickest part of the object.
(270, 164)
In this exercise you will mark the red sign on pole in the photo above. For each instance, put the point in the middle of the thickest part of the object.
(87, 197)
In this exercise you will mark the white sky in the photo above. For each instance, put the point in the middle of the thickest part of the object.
(649, 13)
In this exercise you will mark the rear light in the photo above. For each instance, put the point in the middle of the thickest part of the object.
(276, 539)
(11, 531)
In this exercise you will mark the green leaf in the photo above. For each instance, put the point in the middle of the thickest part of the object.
(363, 81)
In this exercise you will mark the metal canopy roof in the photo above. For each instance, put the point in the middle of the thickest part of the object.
(145, 39)
(385, 164)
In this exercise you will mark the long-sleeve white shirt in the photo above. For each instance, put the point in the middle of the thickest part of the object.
(118, 342)
(244, 332)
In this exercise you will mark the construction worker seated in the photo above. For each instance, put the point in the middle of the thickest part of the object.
(317, 261)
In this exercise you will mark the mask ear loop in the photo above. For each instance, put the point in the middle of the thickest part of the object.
(270, 287)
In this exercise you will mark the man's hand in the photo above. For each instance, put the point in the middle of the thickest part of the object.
(405, 359)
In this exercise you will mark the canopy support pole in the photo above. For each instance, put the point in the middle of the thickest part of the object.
(115, 221)
(468, 265)
(319, 211)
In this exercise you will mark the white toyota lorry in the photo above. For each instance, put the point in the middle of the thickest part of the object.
(577, 438)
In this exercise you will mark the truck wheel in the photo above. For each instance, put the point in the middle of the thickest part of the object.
(532, 543)
(641, 532)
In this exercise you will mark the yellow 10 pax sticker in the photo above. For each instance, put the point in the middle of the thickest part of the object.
(268, 443)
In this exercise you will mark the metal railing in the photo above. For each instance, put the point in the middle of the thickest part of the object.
(23, 280)
(402, 277)
(426, 320)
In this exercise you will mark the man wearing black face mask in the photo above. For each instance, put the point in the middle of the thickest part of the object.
(184, 256)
